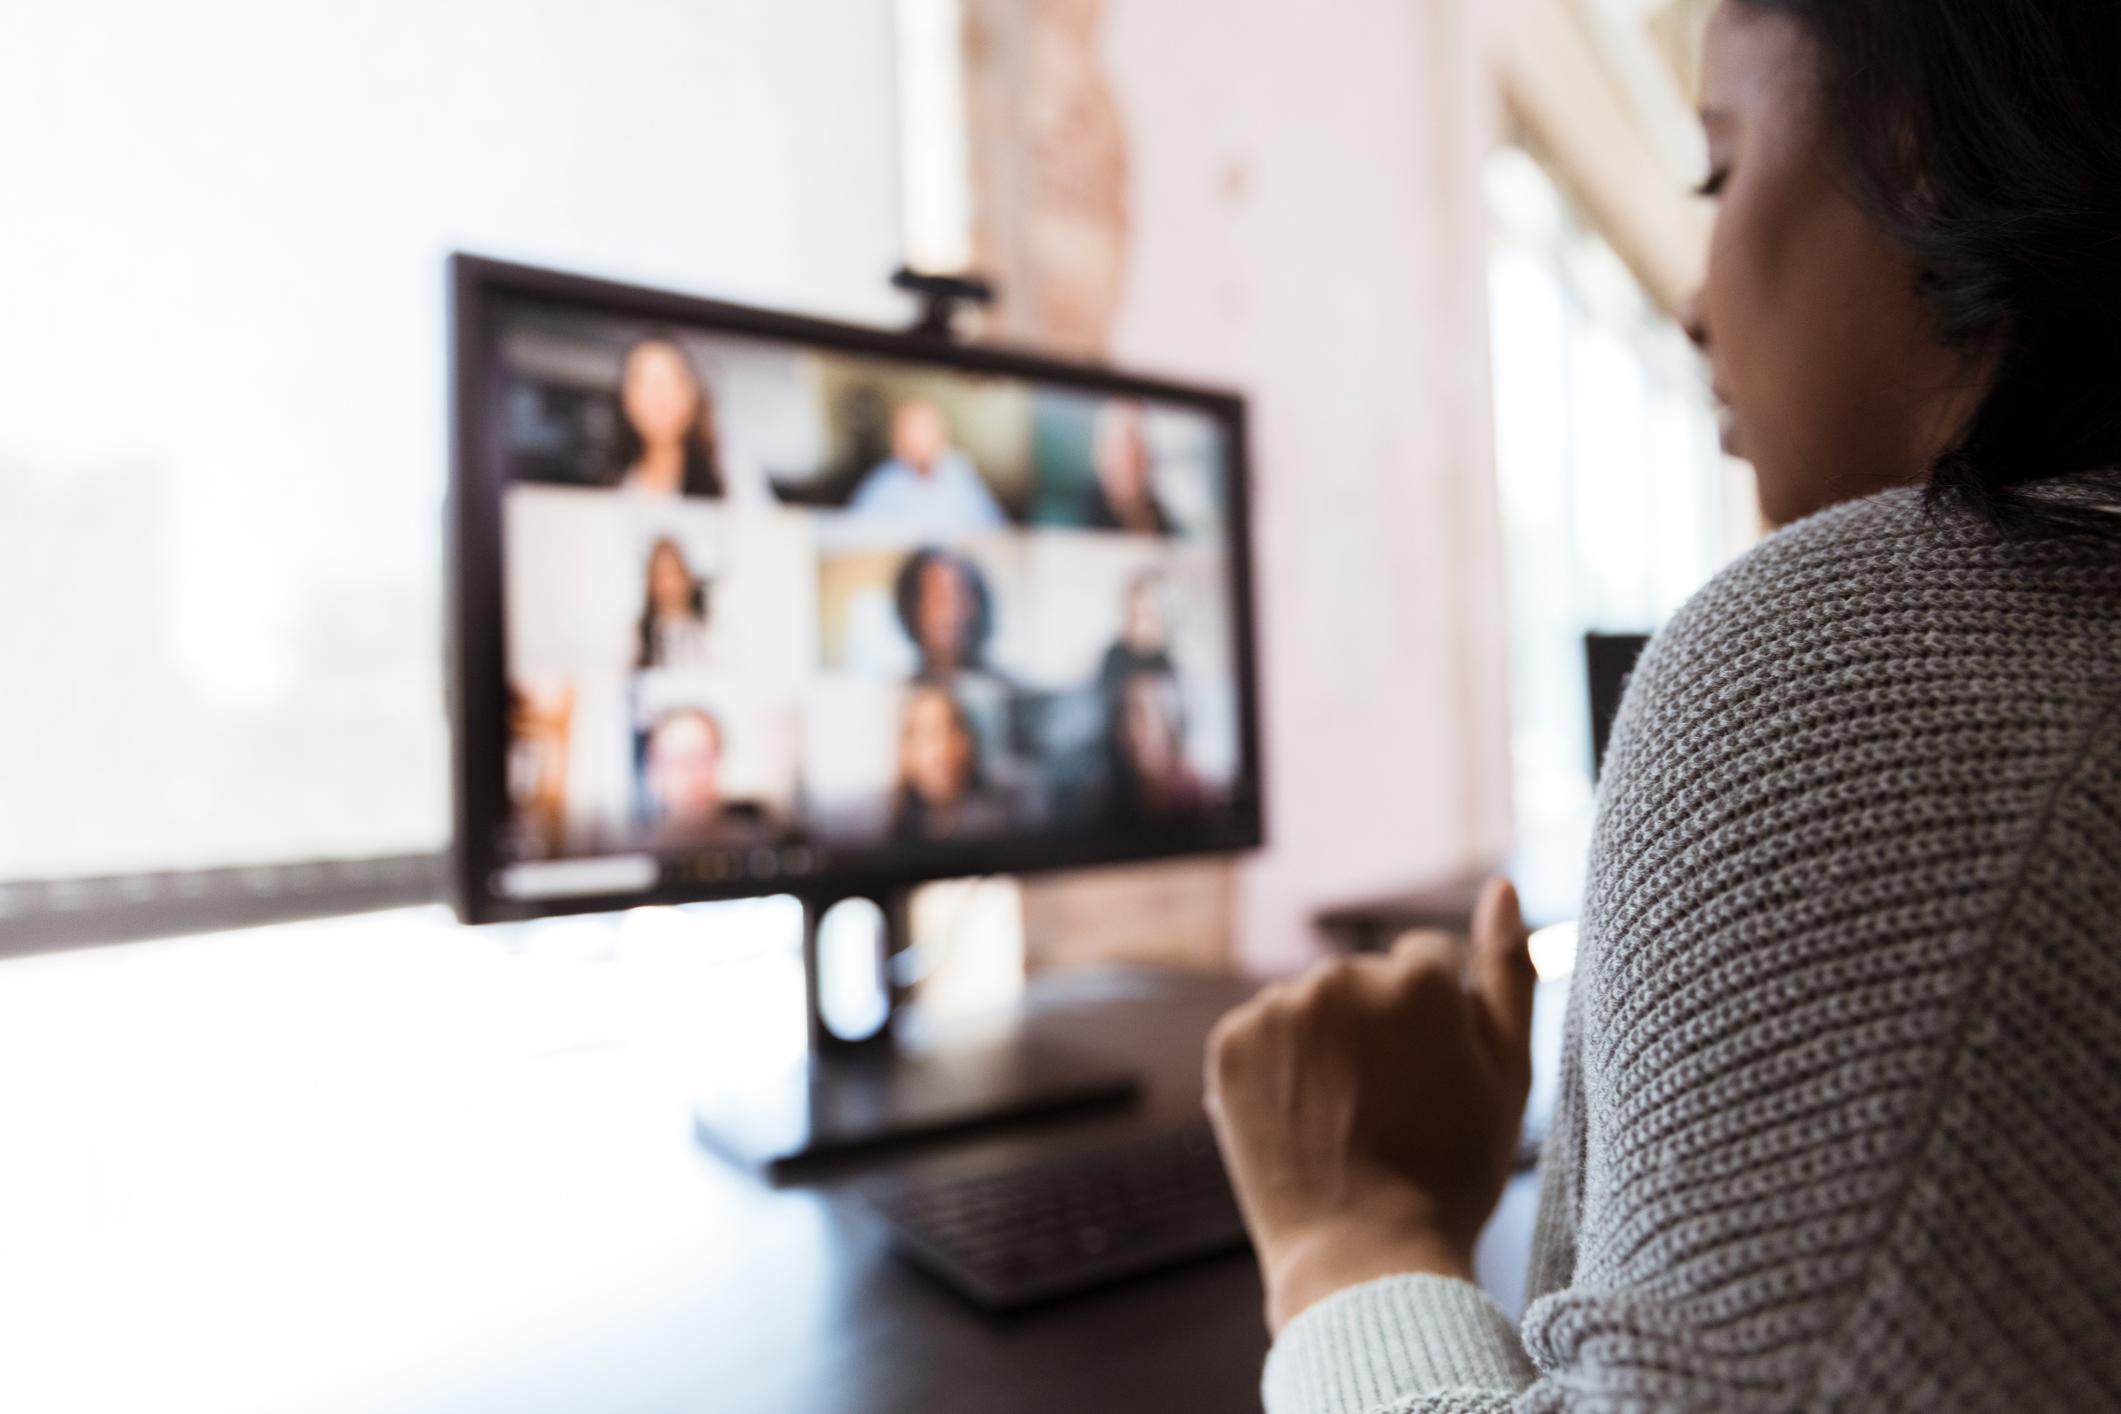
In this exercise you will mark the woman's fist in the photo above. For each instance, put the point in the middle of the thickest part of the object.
(1368, 1112)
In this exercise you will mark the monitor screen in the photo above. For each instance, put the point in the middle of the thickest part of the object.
(748, 603)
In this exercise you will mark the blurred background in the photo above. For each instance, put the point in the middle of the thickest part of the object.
(1437, 244)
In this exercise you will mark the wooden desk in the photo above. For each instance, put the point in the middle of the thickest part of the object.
(1184, 1340)
(893, 1340)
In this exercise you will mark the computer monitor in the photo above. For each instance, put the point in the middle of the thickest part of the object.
(750, 603)
(1608, 659)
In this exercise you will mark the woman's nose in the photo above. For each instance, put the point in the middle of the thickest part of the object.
(1694, 321)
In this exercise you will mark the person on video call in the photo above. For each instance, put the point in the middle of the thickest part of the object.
(1144, 643)
(1837, 1123)
(947, 611)
(683, 778)
(666, 435)
(1151, 779)
(941, 791)
(926, 483)
(1123, 496)
(540, 726)
(672, 632)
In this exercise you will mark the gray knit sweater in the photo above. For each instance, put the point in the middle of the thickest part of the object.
(1840, 1114)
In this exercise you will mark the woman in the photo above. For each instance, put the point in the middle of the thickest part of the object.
(1838, 1124)
(667, 444)
(1144, 642)
(1122, 495)
(941, 794)
(1152, 782)
(947, 611)
(672, 630)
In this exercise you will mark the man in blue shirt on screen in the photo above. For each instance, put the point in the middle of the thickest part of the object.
(927, 485)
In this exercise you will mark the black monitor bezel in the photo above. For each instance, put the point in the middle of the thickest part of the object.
(476, 640)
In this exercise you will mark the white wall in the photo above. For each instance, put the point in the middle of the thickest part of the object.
(222, 444)
(1307, 225)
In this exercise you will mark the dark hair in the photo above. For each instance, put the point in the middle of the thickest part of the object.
(703, 459)
(696, 600)
(973, 647)
(1129, 791)
(909, 812)
(1985, 140)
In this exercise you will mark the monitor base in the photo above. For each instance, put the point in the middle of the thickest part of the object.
(837, 1104)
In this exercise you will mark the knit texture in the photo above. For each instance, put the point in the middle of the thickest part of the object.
(1384, 1337)
(1840, 1114)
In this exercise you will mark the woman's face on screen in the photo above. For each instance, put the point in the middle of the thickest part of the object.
(1120, 455)
(1149, 727)
(658, 393)
(1145, 631)
(943, 613)
(935, 753)
(1834, 382)
(669, 583)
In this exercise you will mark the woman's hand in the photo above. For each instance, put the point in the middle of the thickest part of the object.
(1368, 1113)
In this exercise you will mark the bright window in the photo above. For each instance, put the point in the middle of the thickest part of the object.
(1617, 502)
(224, 449)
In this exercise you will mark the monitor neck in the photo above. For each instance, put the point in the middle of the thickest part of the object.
(850, 945)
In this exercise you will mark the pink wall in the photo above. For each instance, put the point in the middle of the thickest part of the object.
(1307, 226)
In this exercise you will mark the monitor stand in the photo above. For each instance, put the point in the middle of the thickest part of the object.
(899, 1082)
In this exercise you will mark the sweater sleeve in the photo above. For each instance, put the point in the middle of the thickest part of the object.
(1897, 1197)
(1399, 1344)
